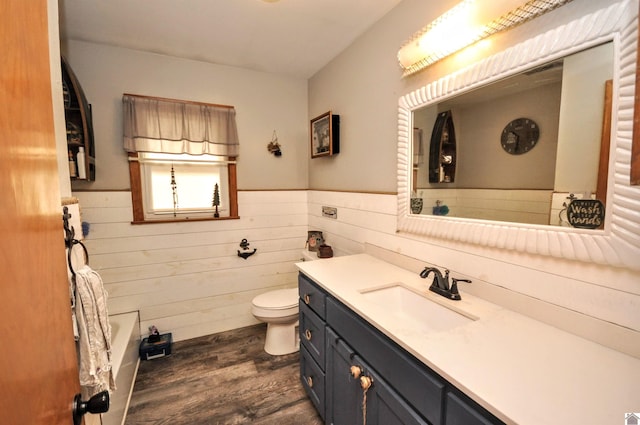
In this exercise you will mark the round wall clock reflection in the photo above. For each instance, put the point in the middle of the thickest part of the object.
(520, 136)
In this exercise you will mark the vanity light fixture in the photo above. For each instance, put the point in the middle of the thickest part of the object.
(466, 23)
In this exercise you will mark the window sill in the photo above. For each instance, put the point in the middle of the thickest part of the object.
(184, 220)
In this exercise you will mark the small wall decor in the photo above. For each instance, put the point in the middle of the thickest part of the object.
(314, 240)
(325, 135)
(174, 191)
(245, 253)
(442, 150)
(273, 146)
(585, 213)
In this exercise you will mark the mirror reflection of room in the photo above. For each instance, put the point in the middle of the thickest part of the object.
(492, 175)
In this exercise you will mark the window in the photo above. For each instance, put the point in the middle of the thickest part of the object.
(195, 178)
(182, 185)
(181, 159)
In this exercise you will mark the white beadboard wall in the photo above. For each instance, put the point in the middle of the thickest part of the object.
(597, 302)
(516, 205)
(187, 278)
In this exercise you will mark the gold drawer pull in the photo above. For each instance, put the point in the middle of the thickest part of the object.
(307, 299)
(307, 334)
(310, 381)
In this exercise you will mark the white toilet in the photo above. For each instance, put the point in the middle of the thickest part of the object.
(279, 309)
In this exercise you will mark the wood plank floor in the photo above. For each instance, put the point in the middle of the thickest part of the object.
(226, 378)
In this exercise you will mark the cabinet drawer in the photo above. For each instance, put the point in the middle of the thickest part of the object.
(313, 380)
(312, 333)
(311, 295)
(421, 387)
(462, 411)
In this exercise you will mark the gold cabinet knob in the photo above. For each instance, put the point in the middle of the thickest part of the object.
(306, 299)
(365, 382)
(307, 334)
(356, 371)
(310, 381)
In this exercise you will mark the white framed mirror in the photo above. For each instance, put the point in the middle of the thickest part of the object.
(518, 149)
(618, 243)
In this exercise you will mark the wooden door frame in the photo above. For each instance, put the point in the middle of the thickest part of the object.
(634, 174)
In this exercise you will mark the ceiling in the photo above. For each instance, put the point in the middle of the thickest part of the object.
(291, 37)
(550, 73)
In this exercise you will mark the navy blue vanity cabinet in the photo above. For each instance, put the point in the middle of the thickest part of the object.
(461, 410)
(354, 389)
(402, 391)
(419, 386)
(312, 330)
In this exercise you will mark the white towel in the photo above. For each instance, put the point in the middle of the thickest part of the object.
(95, 332)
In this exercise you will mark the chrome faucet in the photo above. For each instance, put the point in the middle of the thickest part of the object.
(440, 284)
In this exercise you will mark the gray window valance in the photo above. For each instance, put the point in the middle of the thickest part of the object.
(173, 126)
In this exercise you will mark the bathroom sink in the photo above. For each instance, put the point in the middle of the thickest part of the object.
(423, 314)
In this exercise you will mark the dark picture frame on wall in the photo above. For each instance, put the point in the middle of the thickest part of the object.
(325, 135)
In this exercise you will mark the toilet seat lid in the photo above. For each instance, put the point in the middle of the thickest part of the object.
(279, 299)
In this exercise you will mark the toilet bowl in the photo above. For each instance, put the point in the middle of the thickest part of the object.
(279, 309)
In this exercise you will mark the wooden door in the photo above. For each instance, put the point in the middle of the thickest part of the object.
(38, 366)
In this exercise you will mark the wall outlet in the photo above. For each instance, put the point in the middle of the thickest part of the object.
(330, 212)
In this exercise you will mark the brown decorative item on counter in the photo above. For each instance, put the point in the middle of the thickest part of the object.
(325, 251)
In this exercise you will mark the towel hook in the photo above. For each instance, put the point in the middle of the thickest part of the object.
(70, 240)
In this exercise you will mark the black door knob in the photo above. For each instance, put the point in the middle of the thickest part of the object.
(99, 403)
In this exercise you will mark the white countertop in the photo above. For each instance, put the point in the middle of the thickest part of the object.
(523, 371)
